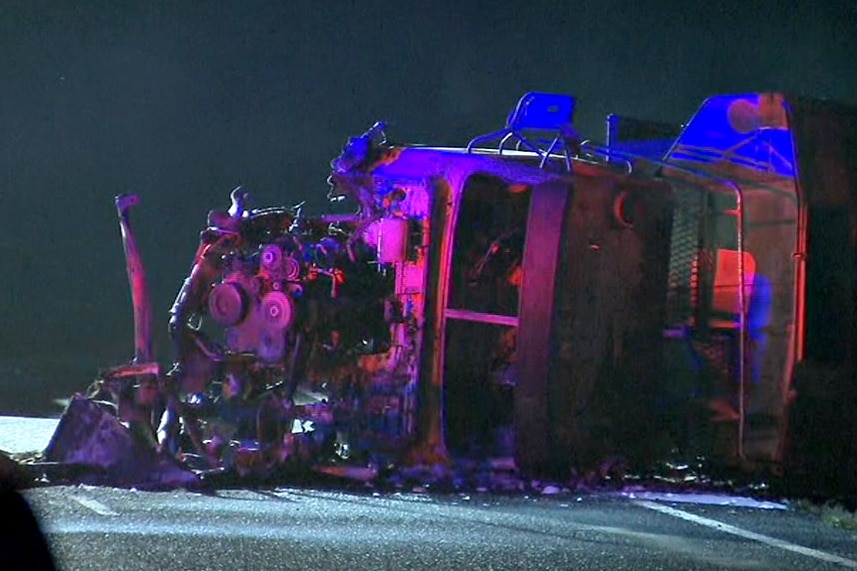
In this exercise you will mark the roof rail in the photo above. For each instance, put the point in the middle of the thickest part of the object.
(537, 115)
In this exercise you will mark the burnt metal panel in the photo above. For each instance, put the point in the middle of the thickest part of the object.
(825, 136)
(610, 309)
(820, 439)
(430, 439)
(536, 346)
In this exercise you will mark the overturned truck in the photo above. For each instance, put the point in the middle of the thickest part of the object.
(531, 296)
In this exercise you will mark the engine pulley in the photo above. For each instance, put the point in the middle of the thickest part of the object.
(271, 258)
(226, 304)
(291, 268)
(278, 311)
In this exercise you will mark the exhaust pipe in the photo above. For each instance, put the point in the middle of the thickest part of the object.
(143, 352)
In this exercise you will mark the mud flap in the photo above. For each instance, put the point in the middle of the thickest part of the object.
(91, 440)
(534, 451)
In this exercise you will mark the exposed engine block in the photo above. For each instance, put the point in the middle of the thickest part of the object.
(256, 302)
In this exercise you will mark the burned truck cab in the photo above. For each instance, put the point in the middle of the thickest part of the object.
(689, 292)
(537, 291)
(529, 296)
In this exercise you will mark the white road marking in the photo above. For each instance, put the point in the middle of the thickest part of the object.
(767, 540)
(704, 499)
(94, 505)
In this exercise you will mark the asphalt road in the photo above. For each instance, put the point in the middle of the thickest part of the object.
(105, 528)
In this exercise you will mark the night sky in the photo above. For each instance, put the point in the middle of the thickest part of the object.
(180, 103)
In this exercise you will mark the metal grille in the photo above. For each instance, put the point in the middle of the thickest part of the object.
(685, 244)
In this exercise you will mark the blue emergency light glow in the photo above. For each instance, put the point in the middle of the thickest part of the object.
(542, 111)
(745, 130)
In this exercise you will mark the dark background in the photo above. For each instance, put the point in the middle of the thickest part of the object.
(182, 101)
